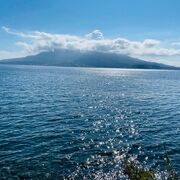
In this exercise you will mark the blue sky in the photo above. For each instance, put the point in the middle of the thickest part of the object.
(133, 20)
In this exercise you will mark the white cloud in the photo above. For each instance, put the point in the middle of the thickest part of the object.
(6, 29)
(95, 35)
(11, 54)
(149, 43)
(36, 41)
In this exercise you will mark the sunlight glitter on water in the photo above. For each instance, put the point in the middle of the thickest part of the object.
(75, 123)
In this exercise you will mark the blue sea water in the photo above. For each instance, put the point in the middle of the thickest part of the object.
(75, 123)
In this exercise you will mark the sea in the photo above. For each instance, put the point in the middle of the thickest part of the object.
(88, 123)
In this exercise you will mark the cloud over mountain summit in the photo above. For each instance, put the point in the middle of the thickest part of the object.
(33, 42)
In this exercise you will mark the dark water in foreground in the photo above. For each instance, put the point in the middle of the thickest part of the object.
(79, 123)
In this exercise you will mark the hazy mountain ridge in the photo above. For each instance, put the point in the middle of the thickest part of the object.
(76, 58)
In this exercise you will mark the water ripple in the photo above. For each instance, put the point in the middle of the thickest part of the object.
(81, 123)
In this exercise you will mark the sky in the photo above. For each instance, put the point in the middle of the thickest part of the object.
(147, 29)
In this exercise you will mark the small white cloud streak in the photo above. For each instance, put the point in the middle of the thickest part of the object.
(176, 44)
(36, 41)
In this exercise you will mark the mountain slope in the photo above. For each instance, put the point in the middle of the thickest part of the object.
(75, 58)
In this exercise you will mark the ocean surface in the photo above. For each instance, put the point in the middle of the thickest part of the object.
(80, 123)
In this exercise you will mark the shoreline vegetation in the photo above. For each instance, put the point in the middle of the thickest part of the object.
(127, 166)
(135, 171)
